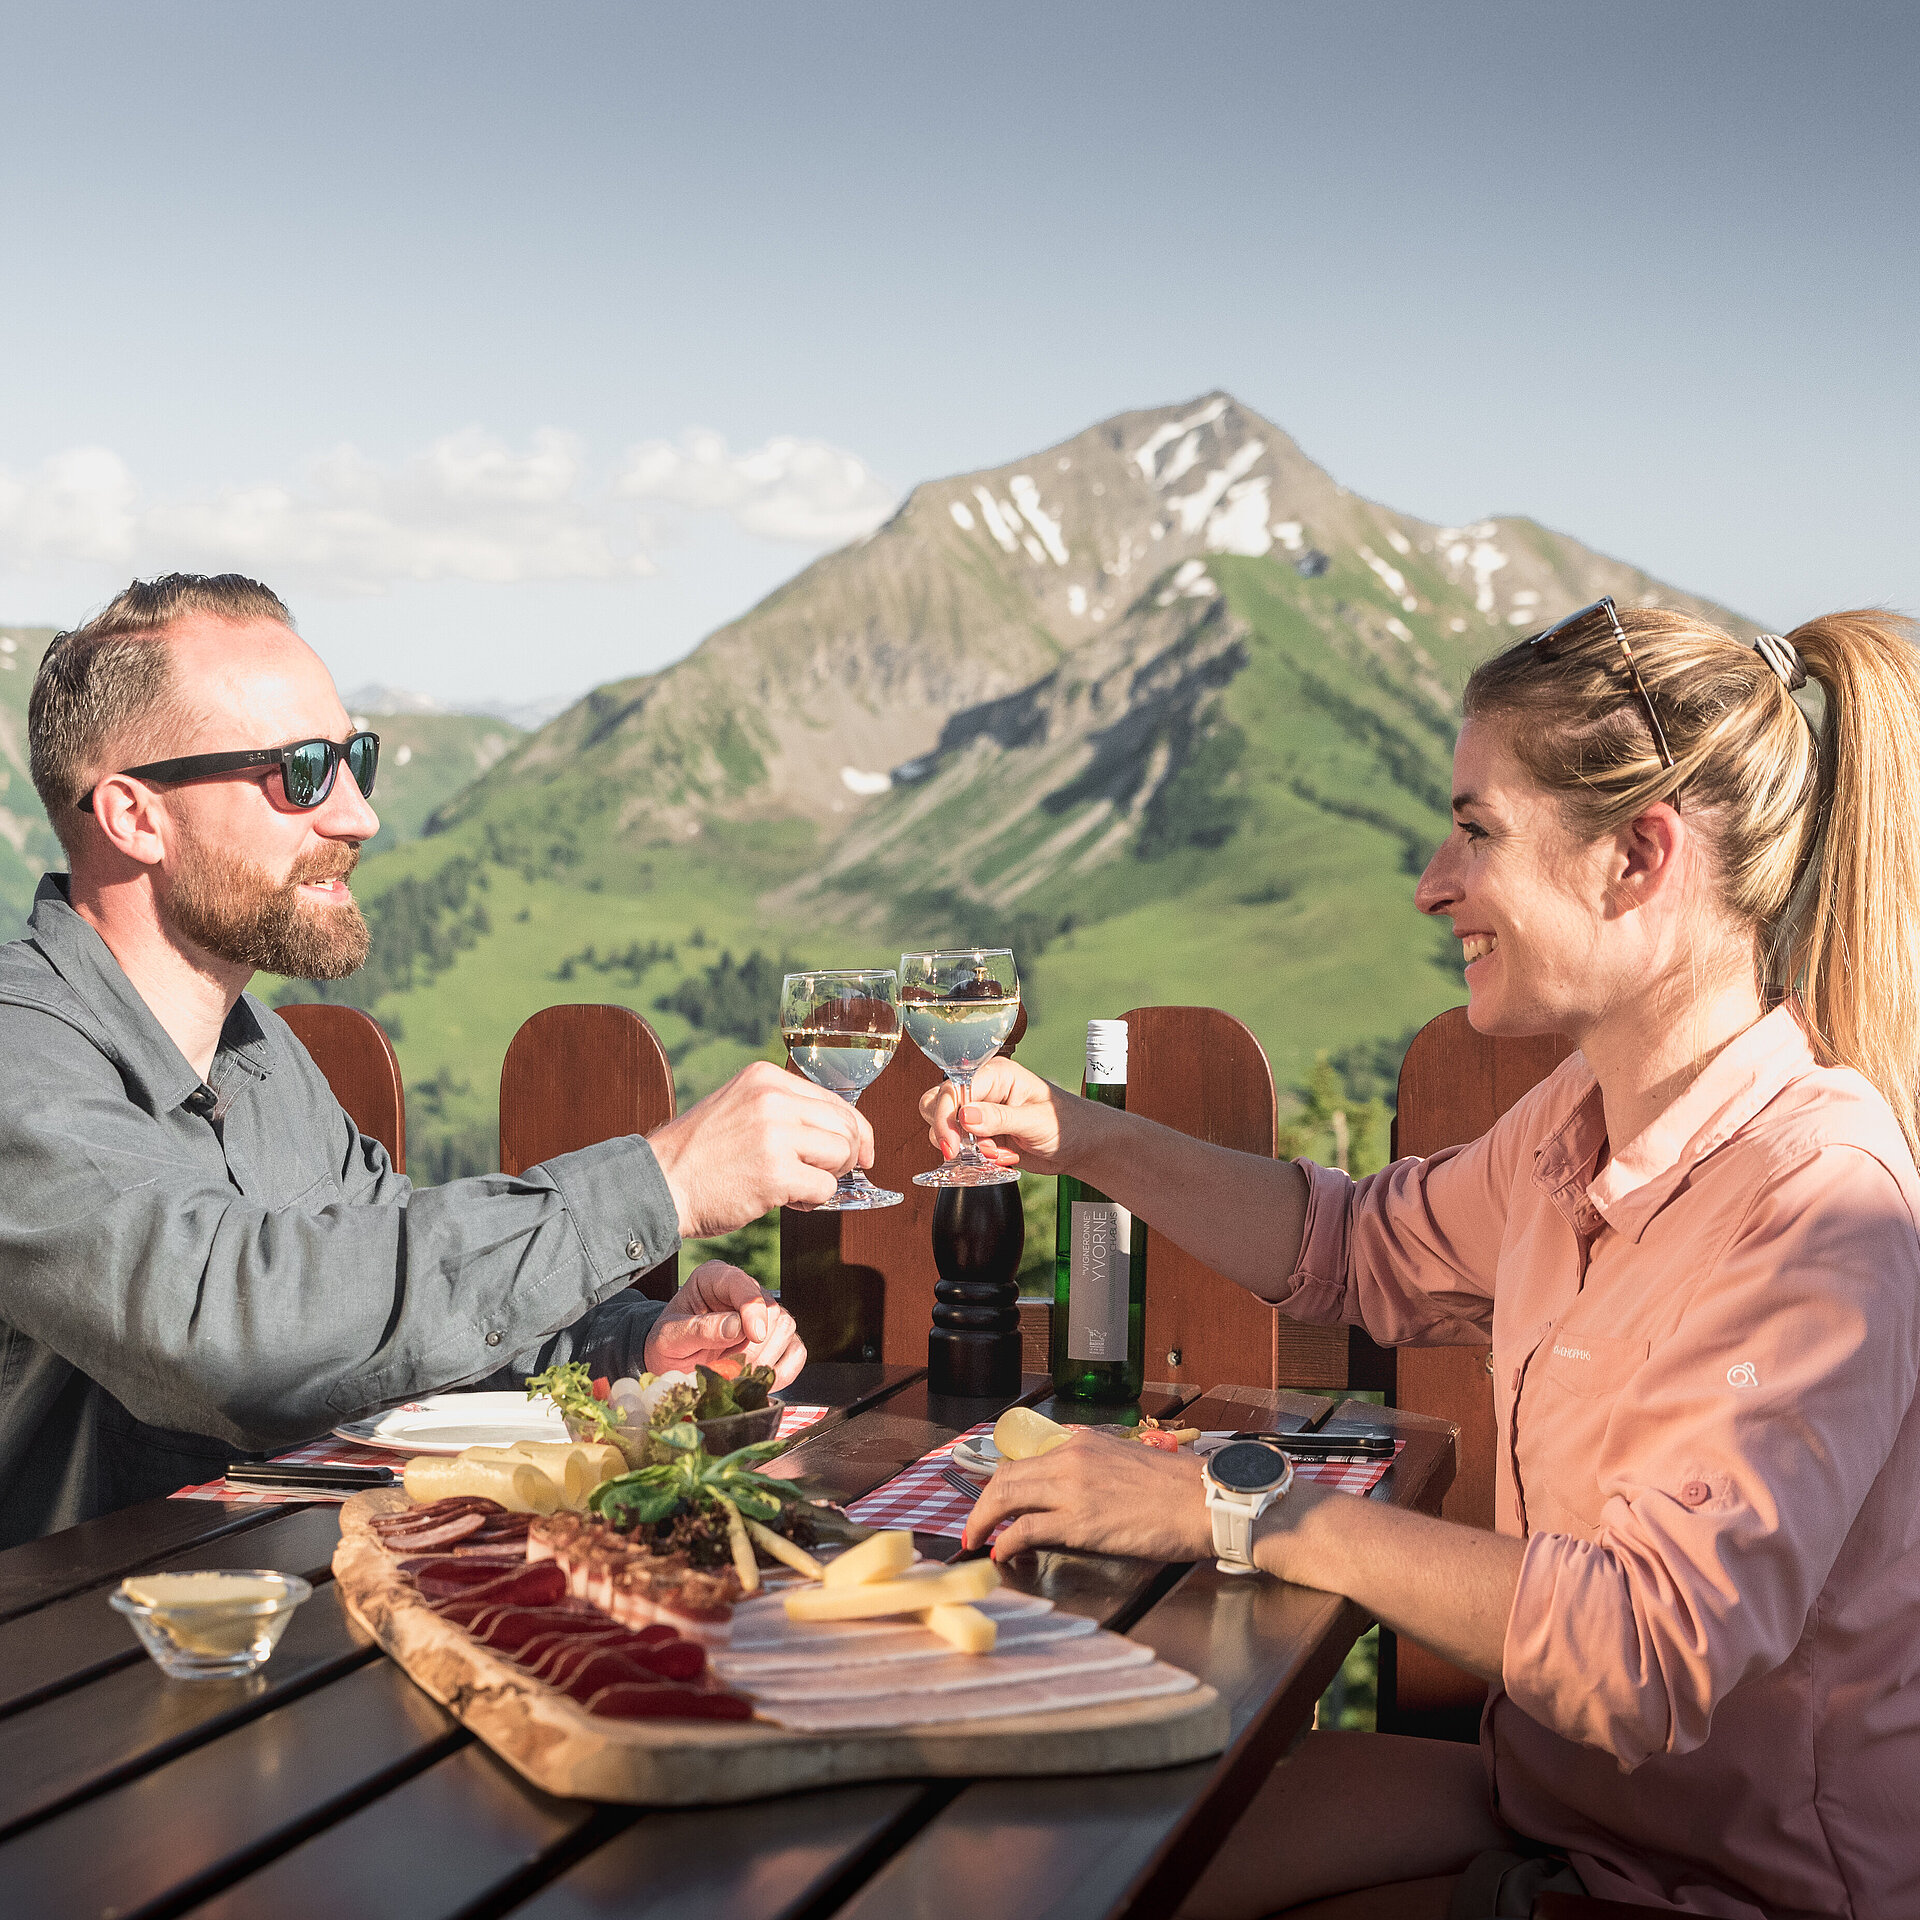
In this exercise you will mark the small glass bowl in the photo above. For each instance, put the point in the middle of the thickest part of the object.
(211, 1638)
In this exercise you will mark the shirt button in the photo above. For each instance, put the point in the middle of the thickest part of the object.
(1696, 1493)
(635, 1251)
(493, 1339)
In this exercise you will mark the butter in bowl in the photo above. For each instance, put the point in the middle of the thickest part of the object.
(210, 1626)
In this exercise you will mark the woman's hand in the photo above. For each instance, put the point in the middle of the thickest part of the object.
(1104, 1494)
(1017, 1119)
(724, 1319)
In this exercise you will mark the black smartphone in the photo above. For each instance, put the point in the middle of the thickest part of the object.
(1328, 1446)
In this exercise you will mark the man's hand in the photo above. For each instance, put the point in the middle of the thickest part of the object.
(1017, 1119)
(1104, 1494)
(766, 1139)
(723, 1319)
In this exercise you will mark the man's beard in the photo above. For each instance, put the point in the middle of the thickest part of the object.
(233, 909)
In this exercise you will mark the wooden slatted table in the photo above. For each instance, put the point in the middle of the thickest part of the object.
(329, 1785)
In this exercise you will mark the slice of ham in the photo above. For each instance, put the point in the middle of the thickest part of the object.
(1060, 1694)
(1086, 1653)
(901, 1644)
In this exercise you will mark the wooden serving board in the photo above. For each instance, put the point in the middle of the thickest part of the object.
(565, 1750)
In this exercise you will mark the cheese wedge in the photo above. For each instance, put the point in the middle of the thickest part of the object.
(879, 1558)
(966, 1628)
(1022, 1434)
(953, 1587)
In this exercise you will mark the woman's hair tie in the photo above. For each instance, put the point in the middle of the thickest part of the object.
(1780, 655)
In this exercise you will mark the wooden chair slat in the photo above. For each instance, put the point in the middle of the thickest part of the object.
(352, 1050)
(1201, 1071)
(575, 1076)
(1454, 1084)
(860, 1285)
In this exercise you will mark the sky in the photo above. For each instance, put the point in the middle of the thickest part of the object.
(519, 346)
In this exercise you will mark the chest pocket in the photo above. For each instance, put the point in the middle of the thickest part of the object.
(1590, 1366)
(1564, 1410)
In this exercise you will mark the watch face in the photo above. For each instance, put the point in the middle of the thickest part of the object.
(1248, 1467)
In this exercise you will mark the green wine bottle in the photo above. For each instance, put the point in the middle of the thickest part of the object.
(1099, 1260)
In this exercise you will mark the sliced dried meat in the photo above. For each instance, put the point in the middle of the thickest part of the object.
(542, 1586)
(436, 1533)
(442, 1576)
(383, 1523)
(664, 1701)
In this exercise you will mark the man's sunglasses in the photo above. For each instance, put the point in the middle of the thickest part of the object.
(1579, 626)
(307, 767)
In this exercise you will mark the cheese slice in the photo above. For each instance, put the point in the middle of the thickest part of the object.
(952, 1586)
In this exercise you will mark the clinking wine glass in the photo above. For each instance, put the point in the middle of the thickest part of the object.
(959, 1006)
(841, 1029)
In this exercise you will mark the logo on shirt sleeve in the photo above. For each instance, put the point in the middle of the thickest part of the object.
(1743, 1375)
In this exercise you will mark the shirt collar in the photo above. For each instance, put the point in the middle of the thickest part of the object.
(142, 1046)
(1741, 1079)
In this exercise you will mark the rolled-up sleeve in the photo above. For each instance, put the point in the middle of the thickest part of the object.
(204, 1311)
(1409, 1253)
(1732, 1471)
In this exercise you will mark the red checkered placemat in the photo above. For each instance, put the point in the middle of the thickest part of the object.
(919, 1497)
(331, 1452)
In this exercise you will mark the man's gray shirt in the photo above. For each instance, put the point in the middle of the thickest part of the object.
(190, 1271)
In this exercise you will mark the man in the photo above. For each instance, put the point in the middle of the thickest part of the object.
(200, 1255)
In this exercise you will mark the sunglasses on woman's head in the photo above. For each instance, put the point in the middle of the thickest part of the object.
(307, 768)
(1589, 621)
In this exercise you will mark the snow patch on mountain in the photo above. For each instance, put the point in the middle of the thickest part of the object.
(961, 517)
(1148, 452)
(1193, 508)
(1026, 497)
(1240, 525)
(864, 784)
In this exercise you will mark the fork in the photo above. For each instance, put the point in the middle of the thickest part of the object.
(959, 1482)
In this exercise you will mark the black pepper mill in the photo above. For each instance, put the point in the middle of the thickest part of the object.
(979, 1234)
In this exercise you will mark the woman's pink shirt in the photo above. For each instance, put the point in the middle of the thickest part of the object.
(1704, 1369)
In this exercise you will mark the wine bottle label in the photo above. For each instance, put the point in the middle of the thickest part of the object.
(1097, 1262)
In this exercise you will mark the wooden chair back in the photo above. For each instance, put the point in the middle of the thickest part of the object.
(354, 1053)
(575, 1076)
(1454, 1084)
(1201, 1071)
(860, 1285)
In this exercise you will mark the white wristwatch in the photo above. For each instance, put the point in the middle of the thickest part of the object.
(1243, 1481)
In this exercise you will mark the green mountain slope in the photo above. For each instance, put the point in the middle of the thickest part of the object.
(1164, 707)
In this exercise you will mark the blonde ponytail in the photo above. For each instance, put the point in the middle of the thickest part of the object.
(1848, 941)
(1816, 841)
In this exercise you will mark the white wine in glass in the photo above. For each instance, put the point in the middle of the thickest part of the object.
(841, 1029)
(958, 1007)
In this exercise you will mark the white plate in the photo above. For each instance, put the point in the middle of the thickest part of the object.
(452, 1422)
(977, 1456)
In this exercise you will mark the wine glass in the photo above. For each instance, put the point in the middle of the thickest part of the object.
(959, 1006)
(841, 1029)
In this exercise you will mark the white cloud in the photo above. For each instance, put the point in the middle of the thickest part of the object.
(467, 507)
(802, 490)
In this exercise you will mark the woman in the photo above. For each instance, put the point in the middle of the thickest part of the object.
(1694, 1251)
